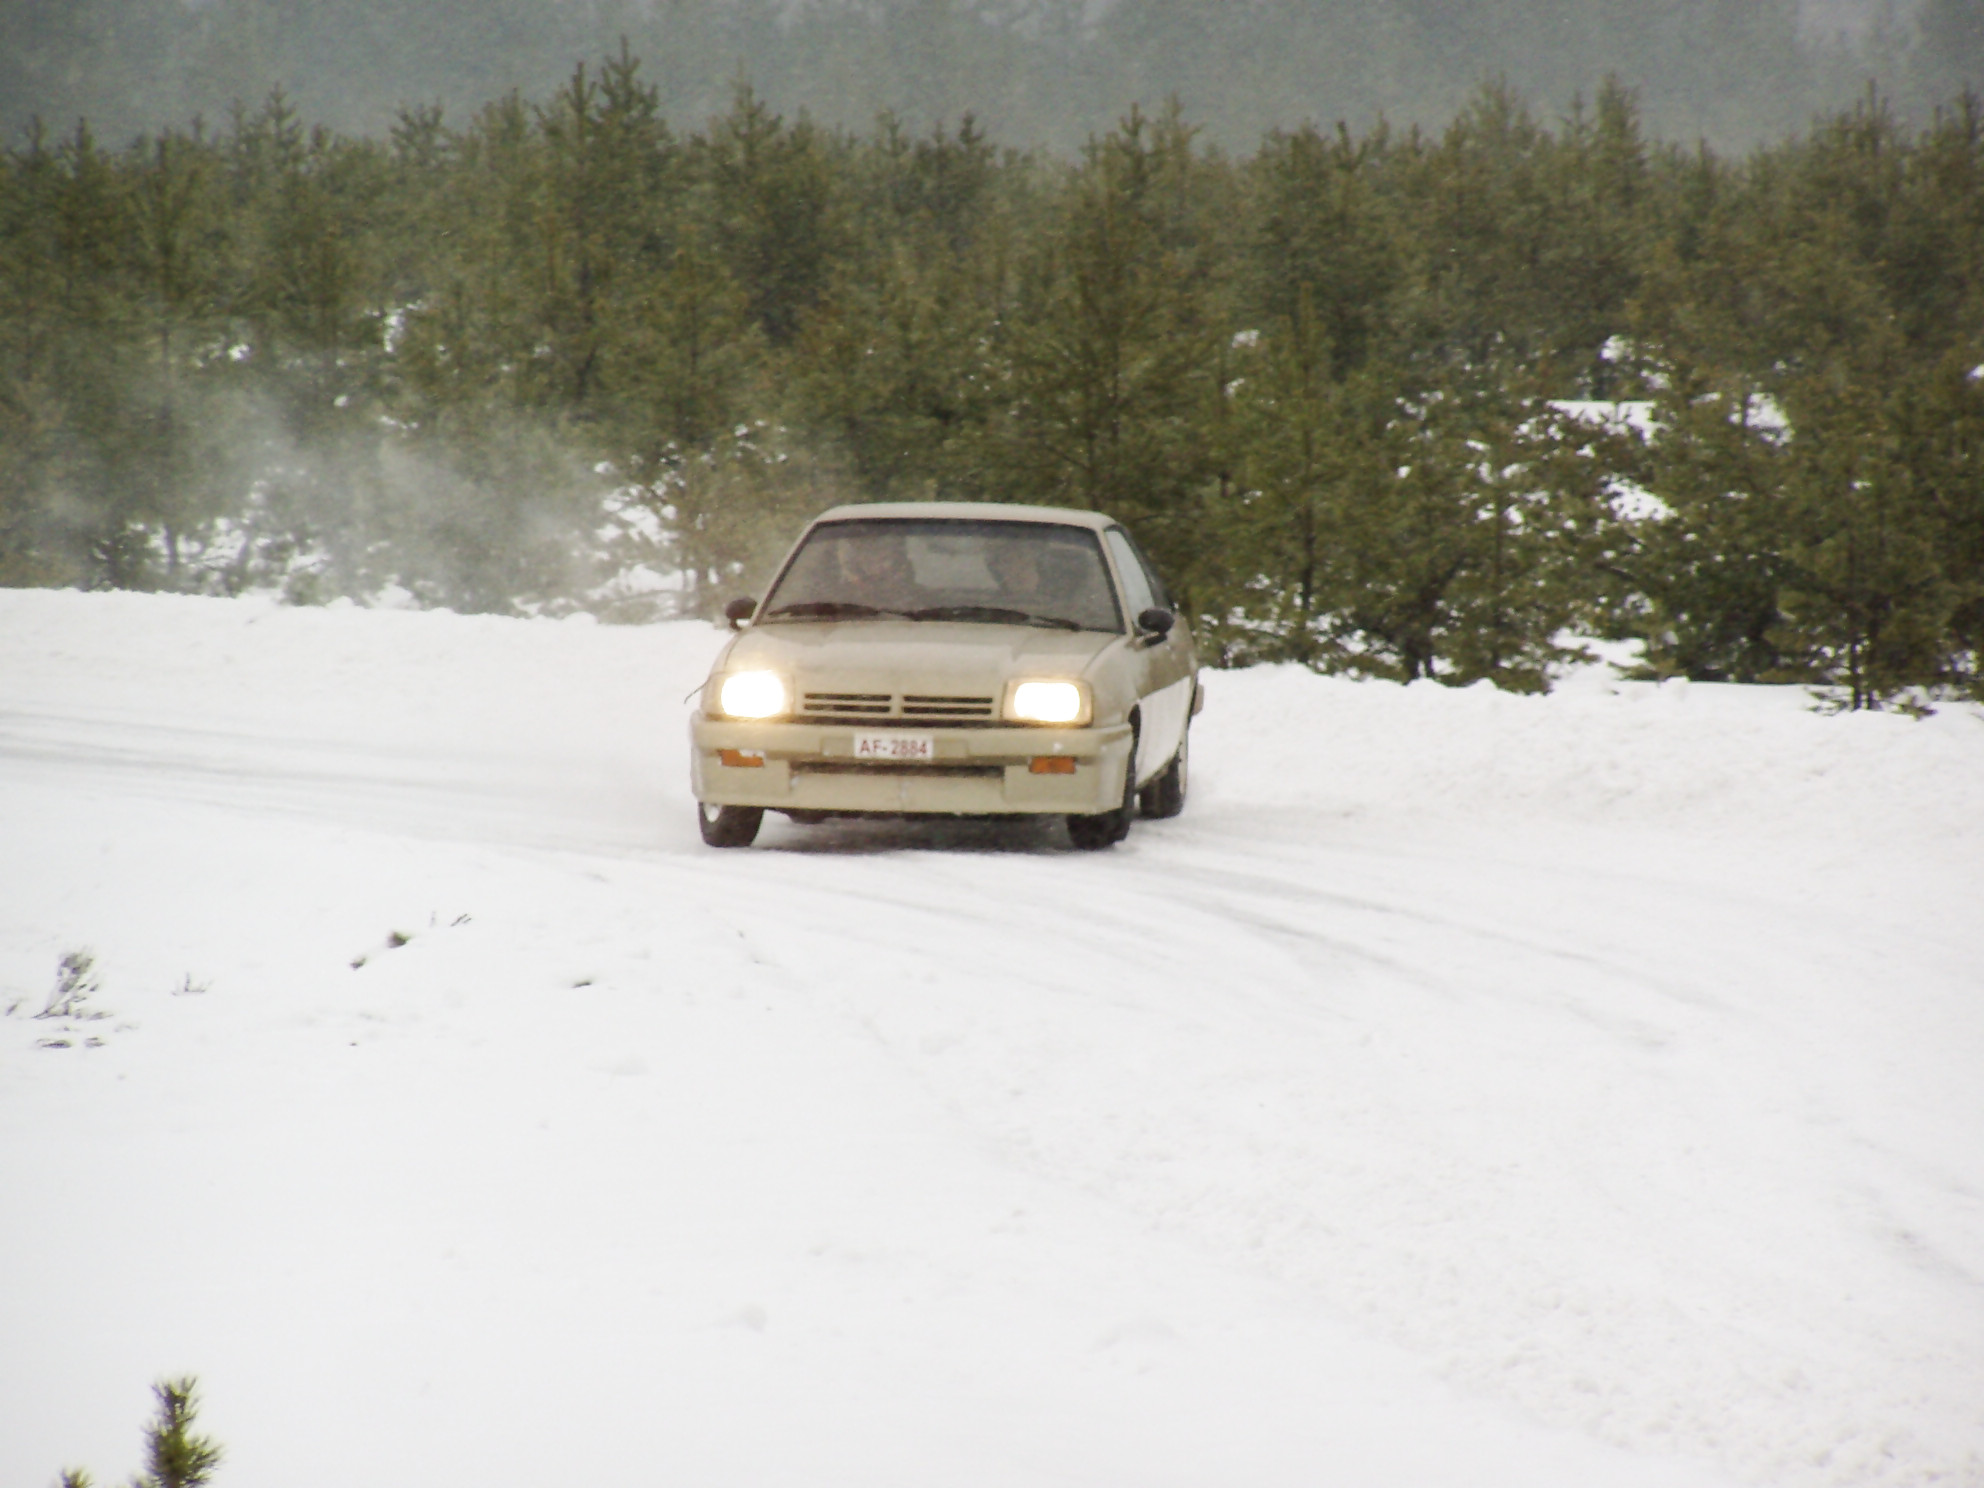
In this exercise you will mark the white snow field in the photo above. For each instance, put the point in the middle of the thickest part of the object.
(1467, 1090)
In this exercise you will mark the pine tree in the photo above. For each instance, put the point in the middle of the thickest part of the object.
(178, 256)
(1702, 564)
(1114, 350)
(174, 1456)
(774, 209)
(890, 366)
(1867, 602)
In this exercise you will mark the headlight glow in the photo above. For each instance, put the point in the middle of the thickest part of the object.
(752, 695)
(1047, 702)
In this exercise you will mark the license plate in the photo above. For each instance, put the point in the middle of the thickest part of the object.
(895, 746)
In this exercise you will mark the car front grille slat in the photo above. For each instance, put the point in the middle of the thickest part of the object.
(917, 706)
(850, 704)
(855, 707)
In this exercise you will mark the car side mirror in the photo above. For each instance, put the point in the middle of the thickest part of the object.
(1156, 622)
(739, 610)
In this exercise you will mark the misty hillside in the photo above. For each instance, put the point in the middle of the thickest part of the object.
(1035, 72)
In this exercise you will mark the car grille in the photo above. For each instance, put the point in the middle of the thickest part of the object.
(908, 707)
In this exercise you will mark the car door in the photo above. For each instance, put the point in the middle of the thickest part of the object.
(1164, 667)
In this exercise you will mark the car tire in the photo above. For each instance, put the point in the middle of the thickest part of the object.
(729, 826)
(1165, 796)
(1107, 828)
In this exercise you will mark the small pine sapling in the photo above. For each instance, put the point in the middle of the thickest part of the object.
(174, 1456)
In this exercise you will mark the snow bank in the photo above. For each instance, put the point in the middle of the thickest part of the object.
(1711, 757)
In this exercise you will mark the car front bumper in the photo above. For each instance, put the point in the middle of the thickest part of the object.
(977, 771)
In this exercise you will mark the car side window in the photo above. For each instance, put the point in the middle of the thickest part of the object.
(1140, 586)
(1157, 588)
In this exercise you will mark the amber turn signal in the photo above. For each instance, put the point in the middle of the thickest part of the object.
(742, 759)
(1053, 764)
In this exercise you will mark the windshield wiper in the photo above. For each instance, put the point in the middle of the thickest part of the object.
(992, 614)
(833, 609)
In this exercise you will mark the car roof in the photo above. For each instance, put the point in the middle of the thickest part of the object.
(966, 511)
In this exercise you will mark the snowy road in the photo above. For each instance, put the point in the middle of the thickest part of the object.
(1467, 1090)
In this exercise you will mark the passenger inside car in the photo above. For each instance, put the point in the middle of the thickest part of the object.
(1016, 568)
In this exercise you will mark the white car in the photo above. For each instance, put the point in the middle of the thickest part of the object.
(946, 658)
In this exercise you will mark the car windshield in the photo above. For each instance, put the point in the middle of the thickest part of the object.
(942, 568)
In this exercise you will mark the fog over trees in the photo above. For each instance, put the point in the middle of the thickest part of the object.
(1033, 72)
(1395, 400)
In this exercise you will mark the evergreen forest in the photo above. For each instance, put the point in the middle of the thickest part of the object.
(1407, 401)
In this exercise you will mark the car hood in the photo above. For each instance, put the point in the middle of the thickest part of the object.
(928, 656)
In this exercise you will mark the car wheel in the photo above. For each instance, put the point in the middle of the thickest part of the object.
(729, 826)
(1107, 828)
(1165, 796)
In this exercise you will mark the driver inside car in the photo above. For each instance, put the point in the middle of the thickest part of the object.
(875, 570)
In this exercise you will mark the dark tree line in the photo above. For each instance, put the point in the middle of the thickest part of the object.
(1404, 403)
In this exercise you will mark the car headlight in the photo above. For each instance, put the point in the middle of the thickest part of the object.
(1047, 702)
(752, 695)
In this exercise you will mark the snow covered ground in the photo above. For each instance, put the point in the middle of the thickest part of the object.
(1467, 1090)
